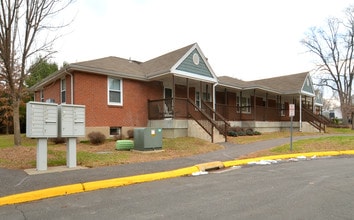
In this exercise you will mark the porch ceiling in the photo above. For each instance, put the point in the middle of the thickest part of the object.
(168, 79)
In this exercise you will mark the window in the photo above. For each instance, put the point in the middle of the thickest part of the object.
(197, 99)
(238, 108)
(115, 91)
(244, 104)
(206, 94)
(282, 110)
(206, 97)
(114, 131)
(63, 90)
(41, 95)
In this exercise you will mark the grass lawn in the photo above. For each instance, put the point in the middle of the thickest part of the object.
(23, 157)
(88, 155)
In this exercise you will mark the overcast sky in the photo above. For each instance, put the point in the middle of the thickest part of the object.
(244, 39)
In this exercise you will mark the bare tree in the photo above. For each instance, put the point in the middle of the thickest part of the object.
(334, 46)
(22, 25)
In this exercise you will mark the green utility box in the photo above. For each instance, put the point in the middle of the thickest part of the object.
(124, 145)
(147, 139)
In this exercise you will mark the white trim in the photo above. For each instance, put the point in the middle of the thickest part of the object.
(192, 76)
(174, 70)
(308, 79)
(307, 93)
(121, 91)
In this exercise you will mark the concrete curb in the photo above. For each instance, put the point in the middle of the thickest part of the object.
(117, 182)
(287, 156)
(95, 185)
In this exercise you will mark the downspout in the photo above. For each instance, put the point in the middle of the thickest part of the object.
(71, 87)
(300, 115)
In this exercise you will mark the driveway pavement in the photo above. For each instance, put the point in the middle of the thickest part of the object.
(18, 181)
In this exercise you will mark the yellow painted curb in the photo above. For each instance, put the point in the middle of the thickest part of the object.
(287, 156)
(90, 186)
(95, 185)
(41, 194)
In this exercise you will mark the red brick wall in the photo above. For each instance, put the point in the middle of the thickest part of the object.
(192, 93)
(220, 97)
(272, 103)
(181, 91)
(91, 90)
(231, 98)
(52, 91)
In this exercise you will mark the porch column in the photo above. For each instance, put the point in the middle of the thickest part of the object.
(173, 95)
(280, 107)
(187, 82)
(225, 96)
(240, 104)
(214, 98)
(300, 114)
(200, 93)
(225, 109)
(313, 105)
(254, 106)
(266, 107)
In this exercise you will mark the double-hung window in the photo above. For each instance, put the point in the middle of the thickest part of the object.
(243, 103)
(115, 91)
(197, 99)
(246, 104)
(63, 90)
(282, 109)
(41, 95)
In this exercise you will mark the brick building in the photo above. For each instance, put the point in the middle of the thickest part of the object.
(180, 93)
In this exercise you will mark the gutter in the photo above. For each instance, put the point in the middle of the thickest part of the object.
(107, 72)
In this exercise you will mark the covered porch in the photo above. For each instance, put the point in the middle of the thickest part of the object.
(186, 100)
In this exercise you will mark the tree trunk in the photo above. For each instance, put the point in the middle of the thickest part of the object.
(16, 122)
(346, 112)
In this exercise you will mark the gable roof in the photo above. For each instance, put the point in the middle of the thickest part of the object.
(120, 67)
(164, 63)
(113, 64)
(181, 62)
(288, 84)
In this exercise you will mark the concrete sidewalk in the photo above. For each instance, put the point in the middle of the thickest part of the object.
(17, 182)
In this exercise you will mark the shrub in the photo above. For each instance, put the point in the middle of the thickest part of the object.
(232, 133)
(257, 133)
(96, 138)
(58, 140)
(241, 133)
(249, 132)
